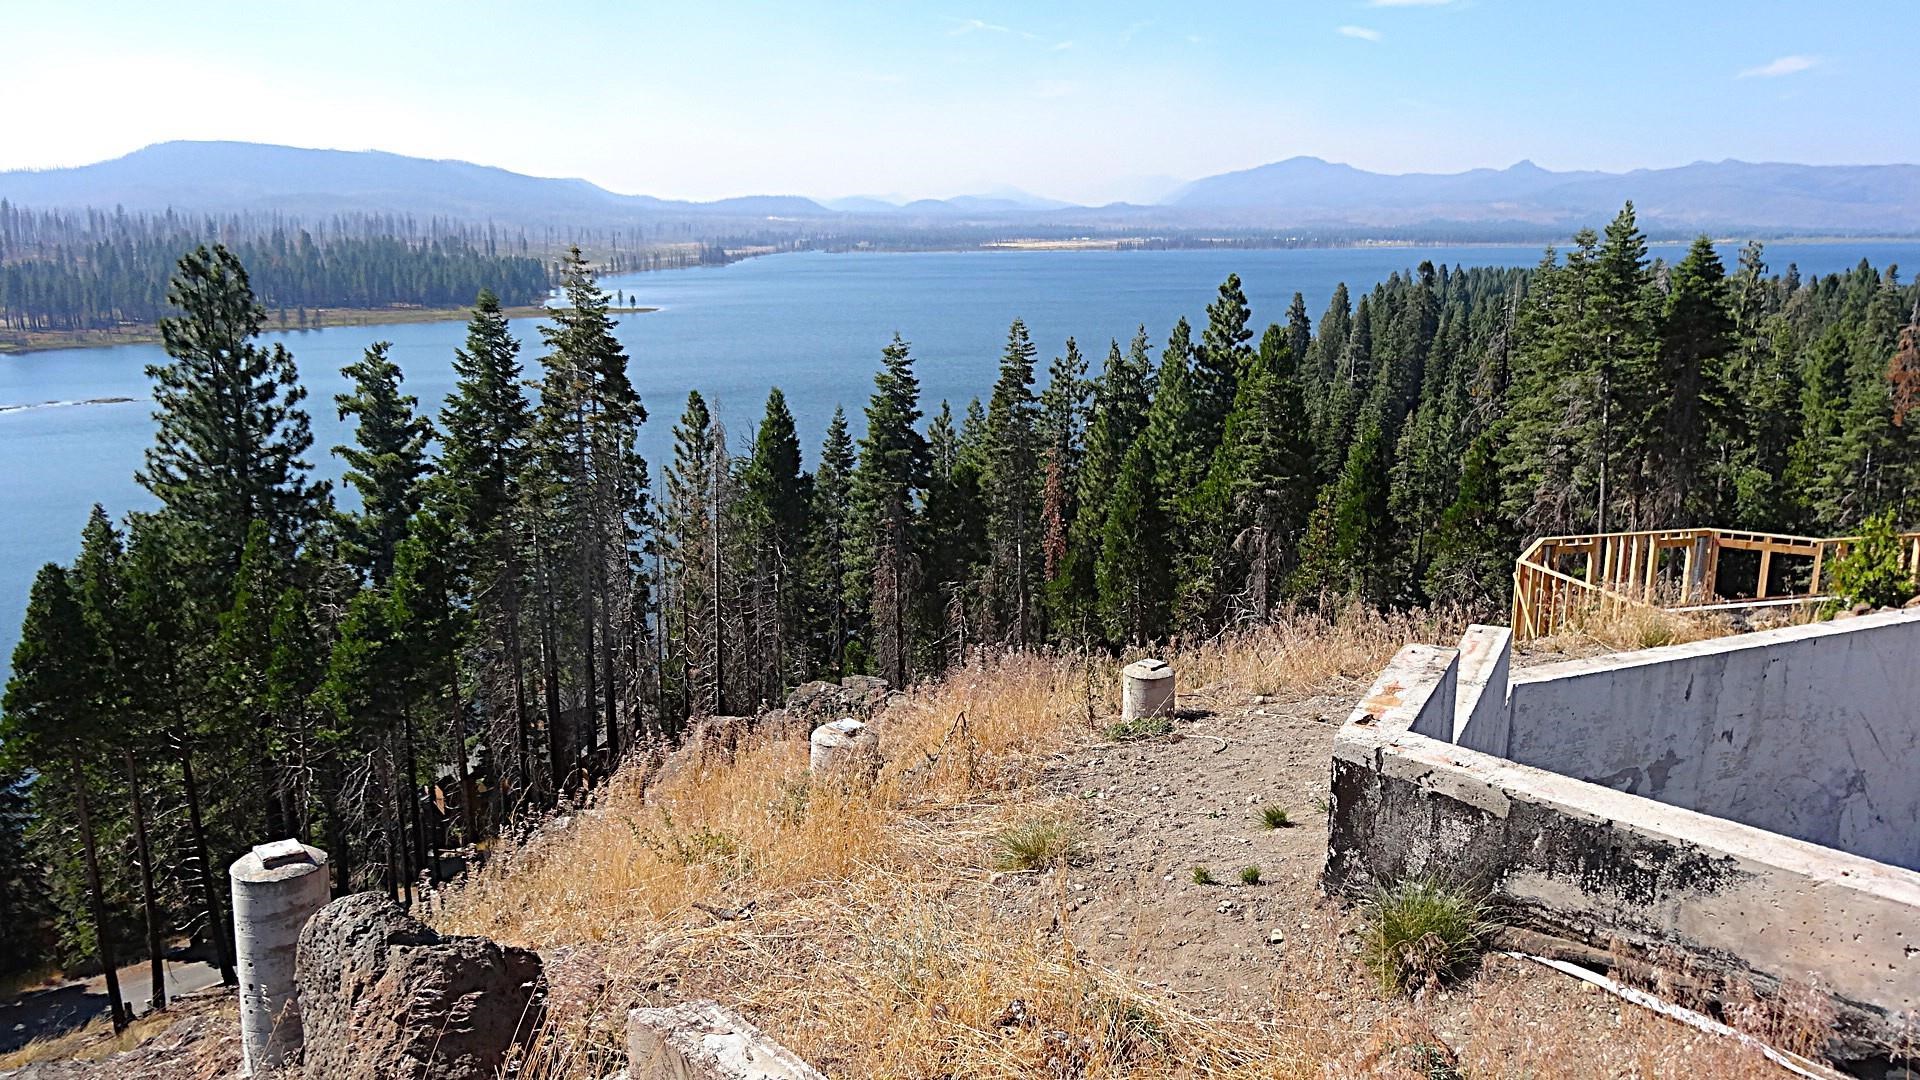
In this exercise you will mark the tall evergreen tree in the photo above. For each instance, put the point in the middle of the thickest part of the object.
(830, 545)
(385, 464)
(891, 472)
(1011, 487)
(51, 722)
(231, 433)
(774, 495)
(485, 425)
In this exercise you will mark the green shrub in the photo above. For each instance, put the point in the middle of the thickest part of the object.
(1203, 876)
(1249, 875)
(1035, 844)
(1869, 573)
(1274, 817)
(1422, 932)
(1151, 726)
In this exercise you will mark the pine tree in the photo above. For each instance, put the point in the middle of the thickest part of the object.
(386, 463)
(591, 506)
(774, 495)
(231, 432)
(1011, 488)
(830, 549)
(1222, 357)
(485, 425)
(1243, 522)
(1474, 546)
(51, 723)
(1360, 527)
(1131, 571)
(1696, 334)
(99, 581)
(692, 521)
(891, 472)
(1118, 416)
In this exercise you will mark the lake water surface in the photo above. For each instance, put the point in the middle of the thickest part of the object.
(812, 324)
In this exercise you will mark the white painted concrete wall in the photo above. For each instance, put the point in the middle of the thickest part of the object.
(1812, 732)
(1480, 714)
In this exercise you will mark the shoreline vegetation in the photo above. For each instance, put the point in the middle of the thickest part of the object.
(14, 342)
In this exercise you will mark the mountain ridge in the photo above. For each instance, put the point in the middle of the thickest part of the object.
(1302, 192)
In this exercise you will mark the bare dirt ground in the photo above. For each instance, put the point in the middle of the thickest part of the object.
(1279, 953)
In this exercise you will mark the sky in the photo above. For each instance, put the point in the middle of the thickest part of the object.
(1086, 102)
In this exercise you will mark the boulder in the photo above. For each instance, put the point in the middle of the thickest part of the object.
(858, 696)
(385, 995)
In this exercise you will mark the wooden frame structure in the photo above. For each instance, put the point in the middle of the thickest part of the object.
(1559, 579)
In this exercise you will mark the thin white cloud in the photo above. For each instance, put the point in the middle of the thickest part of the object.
(1786, 65)
(1063, 46)
(968, 26)
(1364, 33)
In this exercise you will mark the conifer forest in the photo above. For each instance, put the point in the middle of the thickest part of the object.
(515, 600)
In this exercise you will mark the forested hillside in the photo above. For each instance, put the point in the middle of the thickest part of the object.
(517, 603)
(97, 272)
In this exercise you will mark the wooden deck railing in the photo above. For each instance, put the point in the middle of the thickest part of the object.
(1560, 579)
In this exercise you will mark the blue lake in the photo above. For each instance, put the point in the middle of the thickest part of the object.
(811, 324)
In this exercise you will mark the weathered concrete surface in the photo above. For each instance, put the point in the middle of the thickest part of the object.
(1480, 714)
(1585, 861)
(841, 744)
(1414, 692)
(702, 1040)
(1807, 731)
(276, 888)
(384, 995)
(1146, 689)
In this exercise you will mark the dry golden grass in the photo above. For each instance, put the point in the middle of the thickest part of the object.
(97, 1041)
(1632, 628)
(879, 942)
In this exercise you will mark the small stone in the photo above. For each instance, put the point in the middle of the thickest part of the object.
(1276, 936)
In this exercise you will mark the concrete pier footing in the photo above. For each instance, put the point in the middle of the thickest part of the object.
(1146, 689)
(276, 888)
(838, 742)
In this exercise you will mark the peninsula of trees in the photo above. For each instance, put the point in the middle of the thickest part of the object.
(520, 600)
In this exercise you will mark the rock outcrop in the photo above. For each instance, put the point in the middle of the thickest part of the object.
(384, 995)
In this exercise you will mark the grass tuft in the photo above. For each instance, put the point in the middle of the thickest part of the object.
(1203, 876)
(1250, 875)
(1422, 932)
(1151, 726)
(1275, 817)
(1035, 844)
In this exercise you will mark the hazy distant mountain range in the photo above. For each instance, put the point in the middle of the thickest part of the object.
(1302, 194)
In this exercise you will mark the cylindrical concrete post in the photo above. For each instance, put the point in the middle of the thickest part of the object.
(1146, 689)
(837, 742)
(276, 888)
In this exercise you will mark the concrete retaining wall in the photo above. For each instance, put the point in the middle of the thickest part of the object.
(1811, 732)
(1591, 863)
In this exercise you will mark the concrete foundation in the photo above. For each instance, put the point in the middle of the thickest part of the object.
(276, 888)
(702, 1040)
(1416, 792)
(1146, 689)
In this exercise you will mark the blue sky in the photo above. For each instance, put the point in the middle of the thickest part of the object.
(1089, 102)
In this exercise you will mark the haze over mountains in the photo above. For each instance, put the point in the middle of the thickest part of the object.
(1303, 194)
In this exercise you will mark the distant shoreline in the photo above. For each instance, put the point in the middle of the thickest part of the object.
(15, 343)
